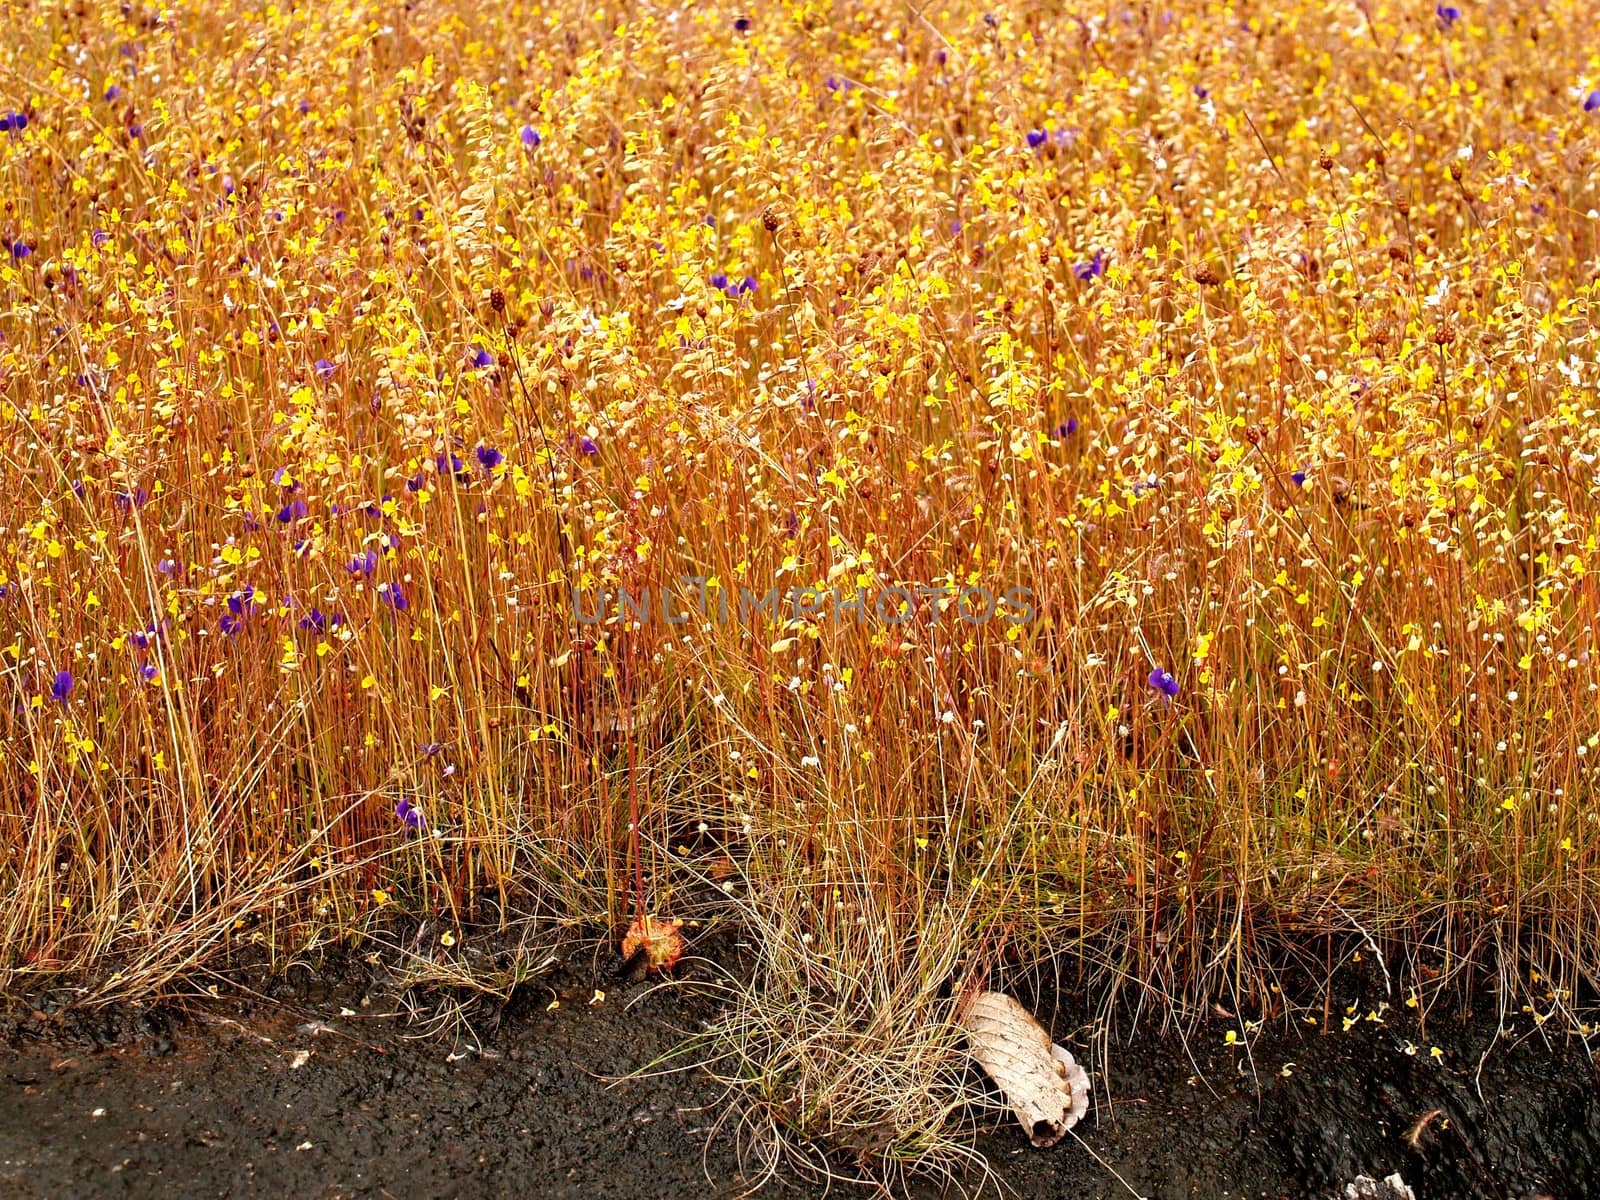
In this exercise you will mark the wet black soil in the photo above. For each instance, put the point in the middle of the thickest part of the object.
(315, 1087)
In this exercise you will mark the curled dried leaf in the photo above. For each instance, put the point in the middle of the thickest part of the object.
(1045, 1087)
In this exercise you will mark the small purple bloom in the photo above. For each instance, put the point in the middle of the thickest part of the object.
(149, 671)
(229, 624)
(363, 564)
(1299, 478)
(395, 597)
(1200, 91)
(113, 92)
(13, 122)
(133, 499)
(719, 281)
(20, 249)
(1592, 104)
(1448, 14)
(1093, 269)
(451, 462)
(99, 238)
(314, 621)
(748, 284)
(480, 357)
(1067, 428)
(587, 447)
(242, 601)
(291, 512)
(1036, 138)
(742, 24)
(1163, 682)
(324, 369)
(227, 185)
(61, 688)
(489, 458)
(530, 137)
(410, 815)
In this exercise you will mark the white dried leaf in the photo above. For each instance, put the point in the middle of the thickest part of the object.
(1045, 1087)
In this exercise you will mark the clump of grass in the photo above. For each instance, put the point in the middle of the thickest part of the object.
(845, 1059)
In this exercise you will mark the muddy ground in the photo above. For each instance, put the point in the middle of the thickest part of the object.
(310, 1085)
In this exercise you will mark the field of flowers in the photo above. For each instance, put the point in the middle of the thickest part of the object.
(351, 354)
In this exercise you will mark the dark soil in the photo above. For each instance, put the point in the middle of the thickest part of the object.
(319, 1090)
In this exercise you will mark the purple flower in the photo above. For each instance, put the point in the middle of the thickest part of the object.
(1592, 104)
(489, 458)
(742, 24)
(1036, 138)
(1093, 269)
(242, 602)
(324, 369)
(113, 92)
(1067, 428)
(451, 462)
(61, 688)
(1299, 478)
(20, 249)
(1163, 682)
(719, 281)
(99, 238)
(394, 596)
(1448, 14)
(133, 499)
(748, 284)
(410, 815)
(149, 671)
(530, 137)
(227, 185)
(586, 446)
(229, 624)
(480, 358)
(314, 621)
(1200, 91)
(292, 511)
(304, 106)
(363, 564)
(13, 122)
